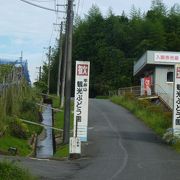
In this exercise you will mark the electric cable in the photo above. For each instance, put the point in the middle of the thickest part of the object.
(78, 4)
(51, 36)
(42, 0)
(42, 7)
(82, 6)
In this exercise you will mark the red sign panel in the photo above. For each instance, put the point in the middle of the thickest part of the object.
(147, 85)
(82, 70)
(178, 72)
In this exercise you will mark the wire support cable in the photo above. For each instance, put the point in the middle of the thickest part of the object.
(42, 7)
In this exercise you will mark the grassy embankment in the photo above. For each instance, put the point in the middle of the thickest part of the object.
(154, 116)
(12, 171)
(18, 102)
(61, 150)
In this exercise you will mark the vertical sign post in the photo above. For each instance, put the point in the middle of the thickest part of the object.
(176, 109)
(81, 100)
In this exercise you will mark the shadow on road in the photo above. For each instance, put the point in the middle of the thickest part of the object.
(140, 136)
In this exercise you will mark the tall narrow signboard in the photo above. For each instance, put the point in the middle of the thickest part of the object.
(176, 109)
(81, 100)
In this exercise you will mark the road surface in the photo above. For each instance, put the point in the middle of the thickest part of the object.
(120, 147)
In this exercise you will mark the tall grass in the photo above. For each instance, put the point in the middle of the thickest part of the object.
(18, 102)
(152, 115)
(9, 171)
(61, 150)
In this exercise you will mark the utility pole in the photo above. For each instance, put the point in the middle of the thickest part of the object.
(64, 69)
(60, 59)
(40, 73)
(49, 63)
(21, 57)
(67, 109)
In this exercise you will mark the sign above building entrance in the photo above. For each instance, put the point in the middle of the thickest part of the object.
(167, 57)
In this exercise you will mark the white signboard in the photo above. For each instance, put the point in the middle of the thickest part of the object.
(176, 109)
(81, 100)
(167, 57)
(75, 146)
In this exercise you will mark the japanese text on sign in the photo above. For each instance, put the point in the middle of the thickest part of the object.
(176, 110)
(82, 70)
(81, 100)
(167, 57)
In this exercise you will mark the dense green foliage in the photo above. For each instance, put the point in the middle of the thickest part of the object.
(111, 43)
(11, 171)
(4, 71)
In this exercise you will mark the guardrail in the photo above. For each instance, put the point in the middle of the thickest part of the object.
(122, 91)
(136, 90)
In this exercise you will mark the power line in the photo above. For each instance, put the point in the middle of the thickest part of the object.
(77, 11)
(82, 6)
(42, 0)
(51, 36)
(42, 7)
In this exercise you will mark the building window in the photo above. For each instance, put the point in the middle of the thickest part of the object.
(170, 77)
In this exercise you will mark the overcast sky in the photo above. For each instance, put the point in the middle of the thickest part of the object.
(29, 29)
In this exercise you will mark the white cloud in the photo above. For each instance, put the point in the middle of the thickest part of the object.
(26, 28)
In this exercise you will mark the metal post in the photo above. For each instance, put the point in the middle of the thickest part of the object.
(49, 63)
(68, 73)
(60, 59)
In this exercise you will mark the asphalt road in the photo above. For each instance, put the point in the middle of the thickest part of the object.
(120, 147)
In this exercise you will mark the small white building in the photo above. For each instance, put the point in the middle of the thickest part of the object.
(157, 67)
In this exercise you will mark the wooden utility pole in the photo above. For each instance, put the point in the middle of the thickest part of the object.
(49, 69)
(60, 60)
(64, 70)
(40, 73)
(67, 108)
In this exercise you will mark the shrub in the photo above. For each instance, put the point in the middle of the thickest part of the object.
(11, 171)
(18, 129)
(155, 109)
(144, 103)
(129, 95)
(27, 105)
(168, 115)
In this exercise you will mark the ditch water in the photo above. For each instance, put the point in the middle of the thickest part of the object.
(44, 148)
